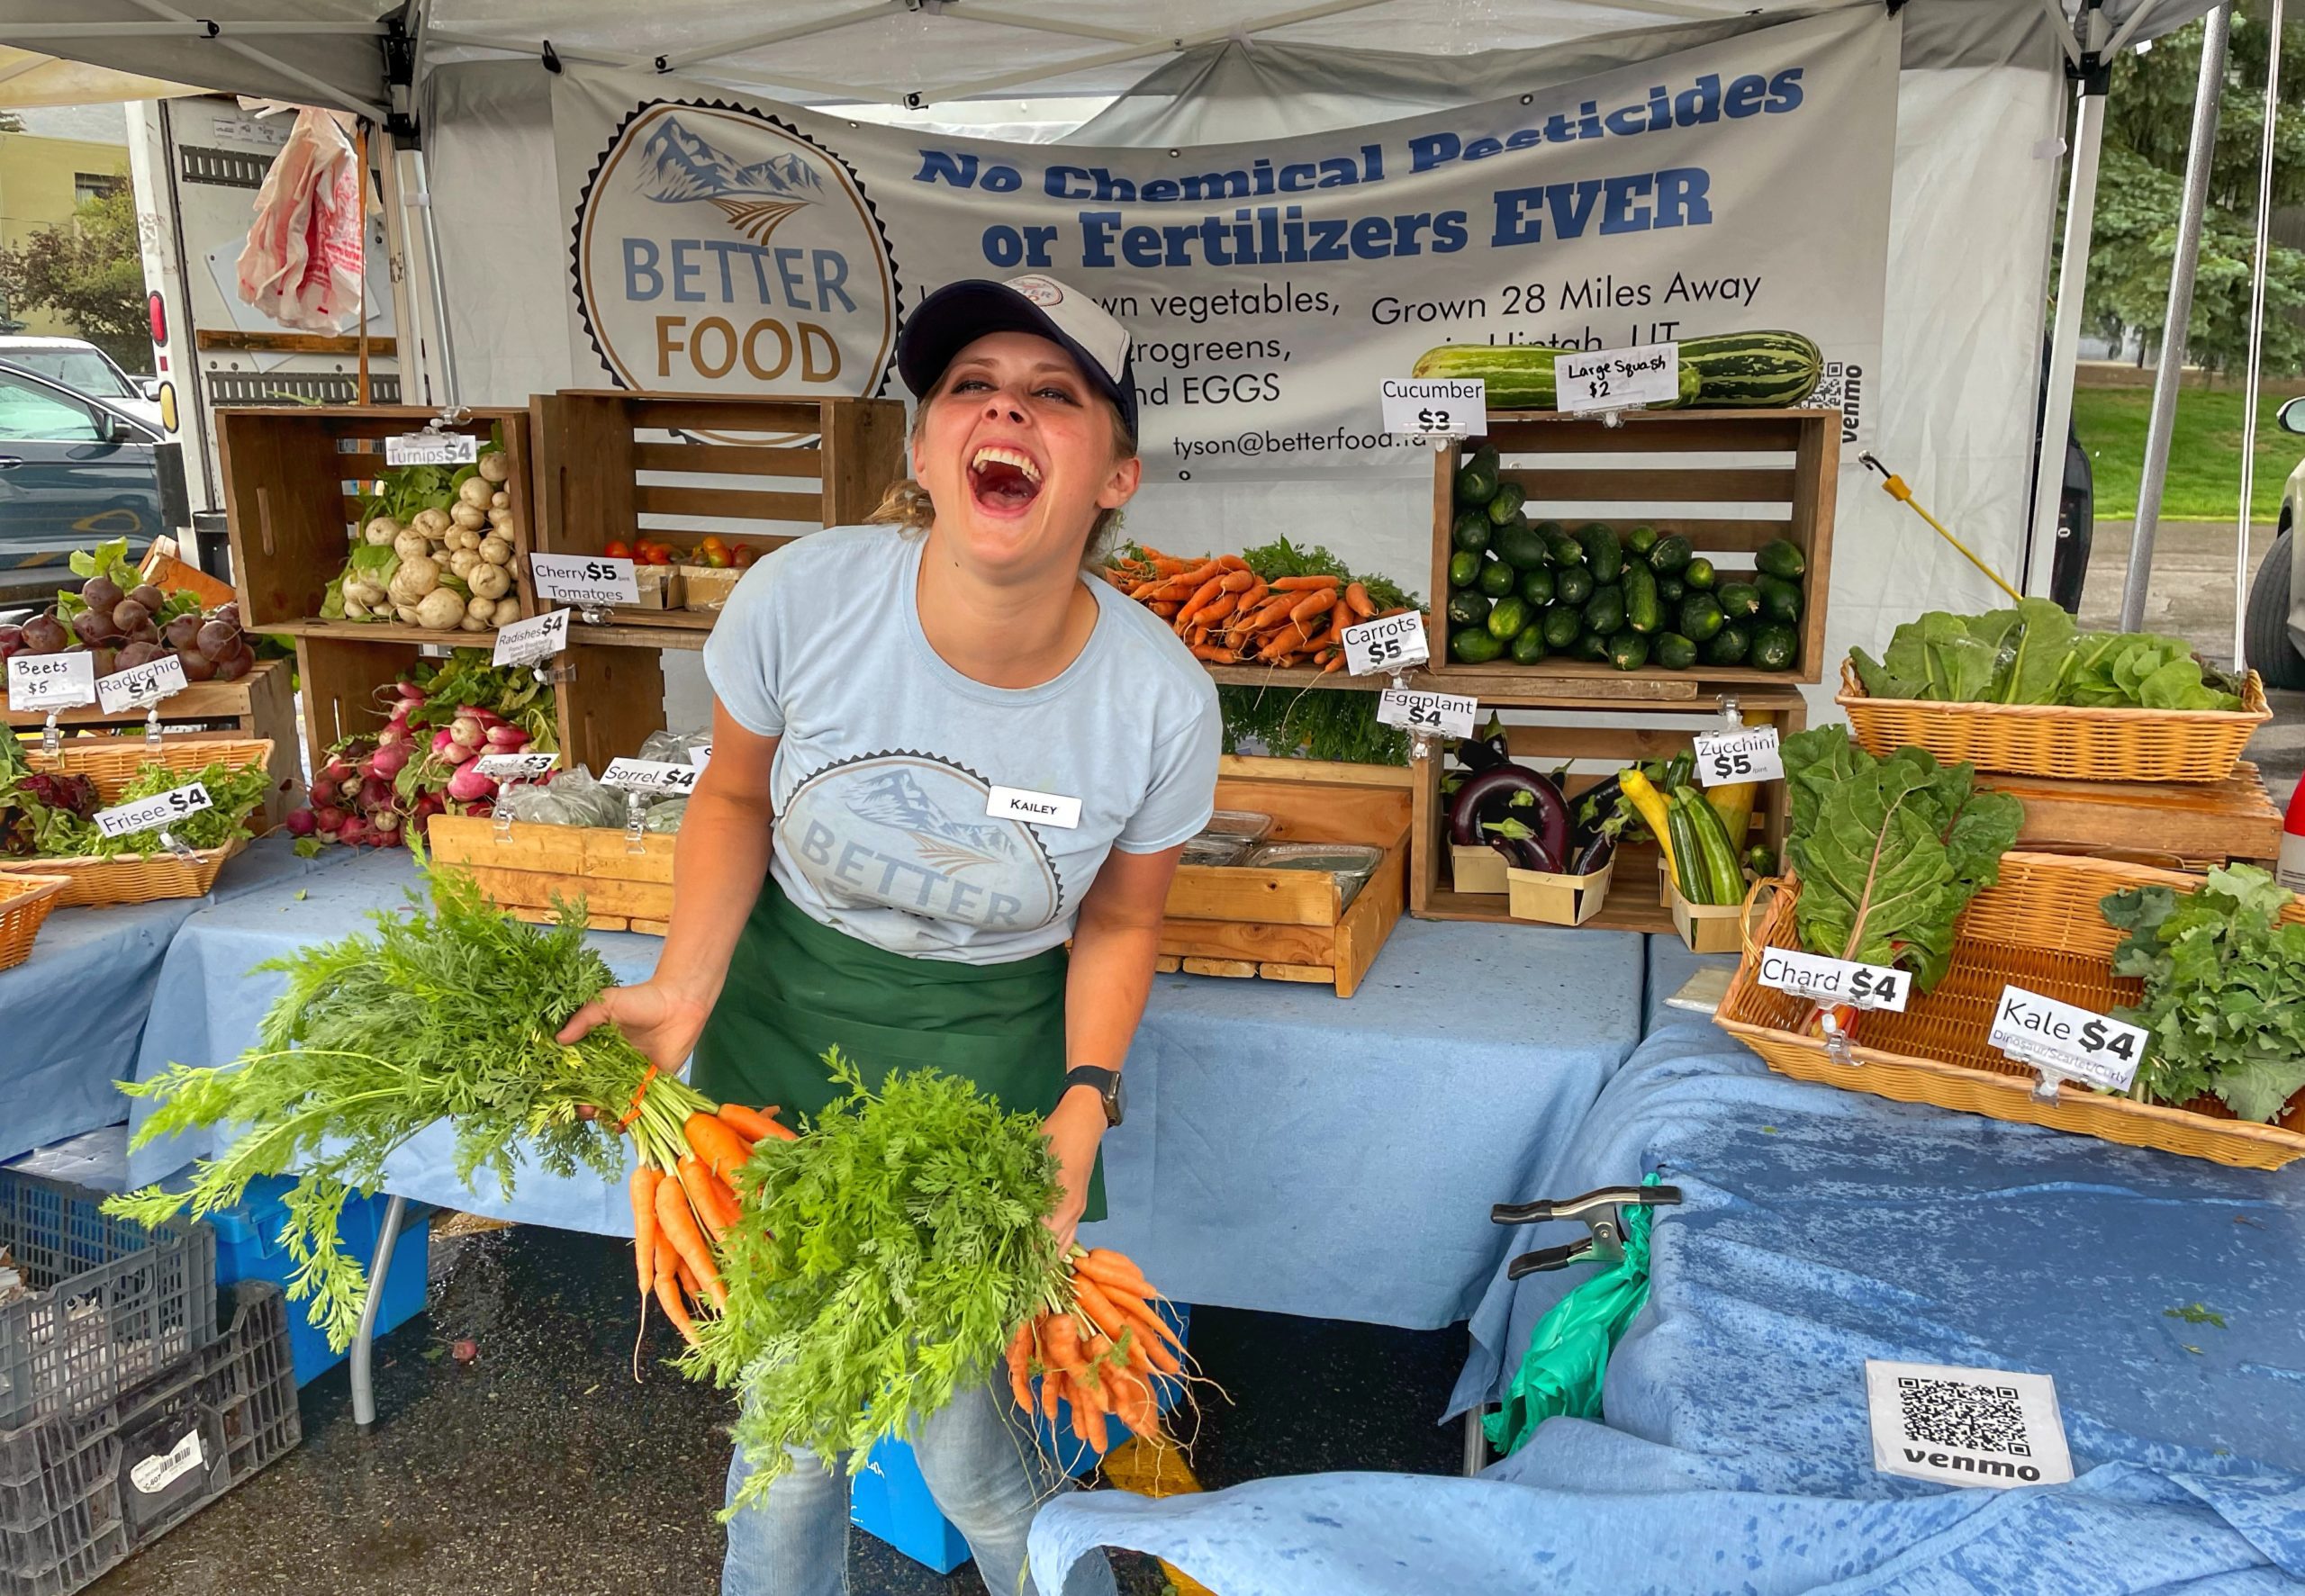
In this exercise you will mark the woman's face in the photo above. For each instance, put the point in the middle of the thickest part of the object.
(1019, 454)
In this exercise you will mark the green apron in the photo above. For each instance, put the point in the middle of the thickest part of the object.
(796, 989)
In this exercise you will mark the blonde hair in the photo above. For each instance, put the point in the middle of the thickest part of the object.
(906, 504)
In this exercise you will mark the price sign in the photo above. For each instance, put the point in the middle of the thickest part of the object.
(51, 681)
(2060, 1039)
(140, 685)
(650, 775)
(525, 641)
(514, 767)
(1442, 715)
(1616, 379)
(431, 448)
(584, 578)
(1751, 754)
(699, 754)
(1450, 406)
(1389, 642)
(160, 810)
(1836, 980)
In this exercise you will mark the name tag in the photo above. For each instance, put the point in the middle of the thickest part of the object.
(1040, 808)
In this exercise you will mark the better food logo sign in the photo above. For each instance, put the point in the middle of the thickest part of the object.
(717, 248)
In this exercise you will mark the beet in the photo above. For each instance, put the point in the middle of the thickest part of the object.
(197, 666)
(44, 634)
(102, 592)
(148, 596)
(235, 666)
(94, 626)
(215, 639)
(127, 615)
(140, 654)
(182, 633)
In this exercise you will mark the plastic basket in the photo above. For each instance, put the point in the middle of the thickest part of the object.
(25, 900)
(2040, 928)
(2057, 740)
(79, 1494)
(129, 878)
(113, 1303)
(249, 1247)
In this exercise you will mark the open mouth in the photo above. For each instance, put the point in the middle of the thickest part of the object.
(1003, 480)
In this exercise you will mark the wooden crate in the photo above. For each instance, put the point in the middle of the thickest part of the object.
(260, 704)
(1555, 736)
(609, 464)
(1290, 925)
(1781, 486)
(291, 486)
(524, 870)
(2195, 824)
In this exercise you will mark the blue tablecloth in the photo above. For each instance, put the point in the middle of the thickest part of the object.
(71, 1014)
(1284, 1149)
(1822, 1228)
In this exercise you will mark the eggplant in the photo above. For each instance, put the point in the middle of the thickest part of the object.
(1595, 806)
(1520, 845)
(1592, 854)
(1477, 754)
(1491, 796)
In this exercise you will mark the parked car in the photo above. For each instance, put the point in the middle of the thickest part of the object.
(2273, 637)
(75, 472)
(85, 369)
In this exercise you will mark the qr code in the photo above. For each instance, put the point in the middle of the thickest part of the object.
(1842, 387)
(1955, 1413)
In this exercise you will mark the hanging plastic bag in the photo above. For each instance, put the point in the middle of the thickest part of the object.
(302, 264)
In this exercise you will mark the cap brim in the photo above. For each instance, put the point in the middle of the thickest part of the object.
(959, 313)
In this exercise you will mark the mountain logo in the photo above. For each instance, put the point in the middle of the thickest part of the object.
(717, 248)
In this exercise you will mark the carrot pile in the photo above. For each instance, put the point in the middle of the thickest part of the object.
(1097, 1348)
(1228, 615)
(683, 1196)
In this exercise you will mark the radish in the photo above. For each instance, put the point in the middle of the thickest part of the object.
(354, 831)
(301, 823)
(468, 785)
(457, 754)
(328, 818)
(505, 739)
(385, 821)
(375, 793)
(322, 791)
(442, 743)
(467, 731)
(389, 760)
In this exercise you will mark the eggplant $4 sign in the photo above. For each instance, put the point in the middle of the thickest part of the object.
(1440, 714)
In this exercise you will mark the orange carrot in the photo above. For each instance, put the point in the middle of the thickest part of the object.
(1214, 654)
(1357, 600)
(1103, 1264)
(1336, 662)
(688, 1286)
(1051, 1392)
(678, 1225)
(1020, 1381)
(1239, 581)
(668, 1297)
(1224, 605)
(754, 1125)
(1164, 611)
(1092, 1429)
(716, 1143)
(642, 1188)
(1099, 1307)
(1202, 594)
(1078, 1411)
(1132, 1348)
(1301, 584)
(1061, 1341)
(1313, 603)
(1232, 562)
(692, 1177)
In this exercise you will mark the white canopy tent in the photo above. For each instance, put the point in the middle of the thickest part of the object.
(1983, 115)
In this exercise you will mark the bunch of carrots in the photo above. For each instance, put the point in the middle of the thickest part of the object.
(1097, 1348)
(684, 1192)
(1228, 615)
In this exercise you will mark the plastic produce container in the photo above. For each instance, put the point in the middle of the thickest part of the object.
(1352, 863)
(1212, 848)
(247, 1248)
(1247, 825)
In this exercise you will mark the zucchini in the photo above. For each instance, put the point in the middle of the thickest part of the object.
(1572, 584)
(1672, 650)
(1729, 645)
(1466, 607)
(1724, 880)
(1505, 503)
(1473, 645)
(1775, 648)
(1477, 479)
(1464, 568)
(1701, 617)
(1471, 534)
(1505, 621)
(1528, 645)
(1603, 553)
(1522, 545)
(1748, 370)
(1628, 651)
(1604, 610)
(1562, 623)
(1496, 579)
(1740, 600)
(1698, 573)
(1671, 555)
(1781, 557)
(1682, 853)
(1780, 599)
(1644, 607)
(1537, 588)
(1520, 376)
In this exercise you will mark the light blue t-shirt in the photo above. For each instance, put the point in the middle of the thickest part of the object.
(887, 757)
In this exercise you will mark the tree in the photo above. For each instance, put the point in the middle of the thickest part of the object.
(2140, 183)
(90, 271)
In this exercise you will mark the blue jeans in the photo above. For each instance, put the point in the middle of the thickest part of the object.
(984, 1470)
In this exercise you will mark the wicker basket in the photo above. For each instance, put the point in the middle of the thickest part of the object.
(111, 760)
(126, 878)
(2060, 740)
(2040, 928)
(25, 903)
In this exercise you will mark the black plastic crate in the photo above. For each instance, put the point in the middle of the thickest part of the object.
(79, 1494)
(113, 1303)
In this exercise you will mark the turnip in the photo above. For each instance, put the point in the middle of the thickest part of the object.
(489, 581)
(508, 610)
(468, 785)
(474, 491)
(500, 518)
(500, 501)
(441, 609)
(353, 610)
(472, 623)
(412, 545)
(432, 523)
(496, 551)
(495, 466)
(381, 531)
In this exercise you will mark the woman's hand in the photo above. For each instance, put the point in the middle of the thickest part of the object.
(660, 1020)
(1074, 1128)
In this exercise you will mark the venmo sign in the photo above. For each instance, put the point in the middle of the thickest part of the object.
(716, 249)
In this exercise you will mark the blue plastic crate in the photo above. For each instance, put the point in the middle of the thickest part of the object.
(247, 1248)
(890, 1500)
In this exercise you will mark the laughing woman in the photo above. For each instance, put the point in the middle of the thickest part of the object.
(939, 751)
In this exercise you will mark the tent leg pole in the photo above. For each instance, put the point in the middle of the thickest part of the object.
(426, 244)
(1476, 1443)
(2064, 337)
(2256, 341)
(2200, 155)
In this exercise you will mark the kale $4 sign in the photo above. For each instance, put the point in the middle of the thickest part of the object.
(2061, 1039)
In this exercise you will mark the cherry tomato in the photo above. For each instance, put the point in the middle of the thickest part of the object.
(617, 549)
(660, 554)
(718, 558)
(711, 541)
(744, 557)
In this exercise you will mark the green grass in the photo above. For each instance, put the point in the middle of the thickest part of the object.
(2204, 482)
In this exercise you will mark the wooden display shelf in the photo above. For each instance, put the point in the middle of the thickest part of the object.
(1632, 905)
(384, 632)
(524, 869)
(2195, 823)
(1785, 491)
(1596, 687)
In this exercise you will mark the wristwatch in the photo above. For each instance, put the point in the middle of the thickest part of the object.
(1108, 1086)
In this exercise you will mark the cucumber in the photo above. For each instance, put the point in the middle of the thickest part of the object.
(1740, 600)
(1781, 557)
(1671, 555)
(1752, 370)
(1562, 623)
(1537, 588)
(1474, 646)
(1477, 479)
(1604, 610)
(1628, 651)
(1563, 550)
(1670, 590)
(1590, 645)
(1466, 607)
(1698, 573)
(1464, 568)
(1672, 650)
(1775, 648)
(1640, 540)
(1729, 645)
(1471, 531)
(1528, 645)
(1505, 503)
(1644, 608)
(1497, 579)
(1522, 545)
(1780, 599)
(1520, 376)
(1549, 530)
(1701, 617)
(1603, 553)
(1572, 584)
(1506, 620)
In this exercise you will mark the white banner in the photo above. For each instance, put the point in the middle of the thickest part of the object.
(727, 244)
